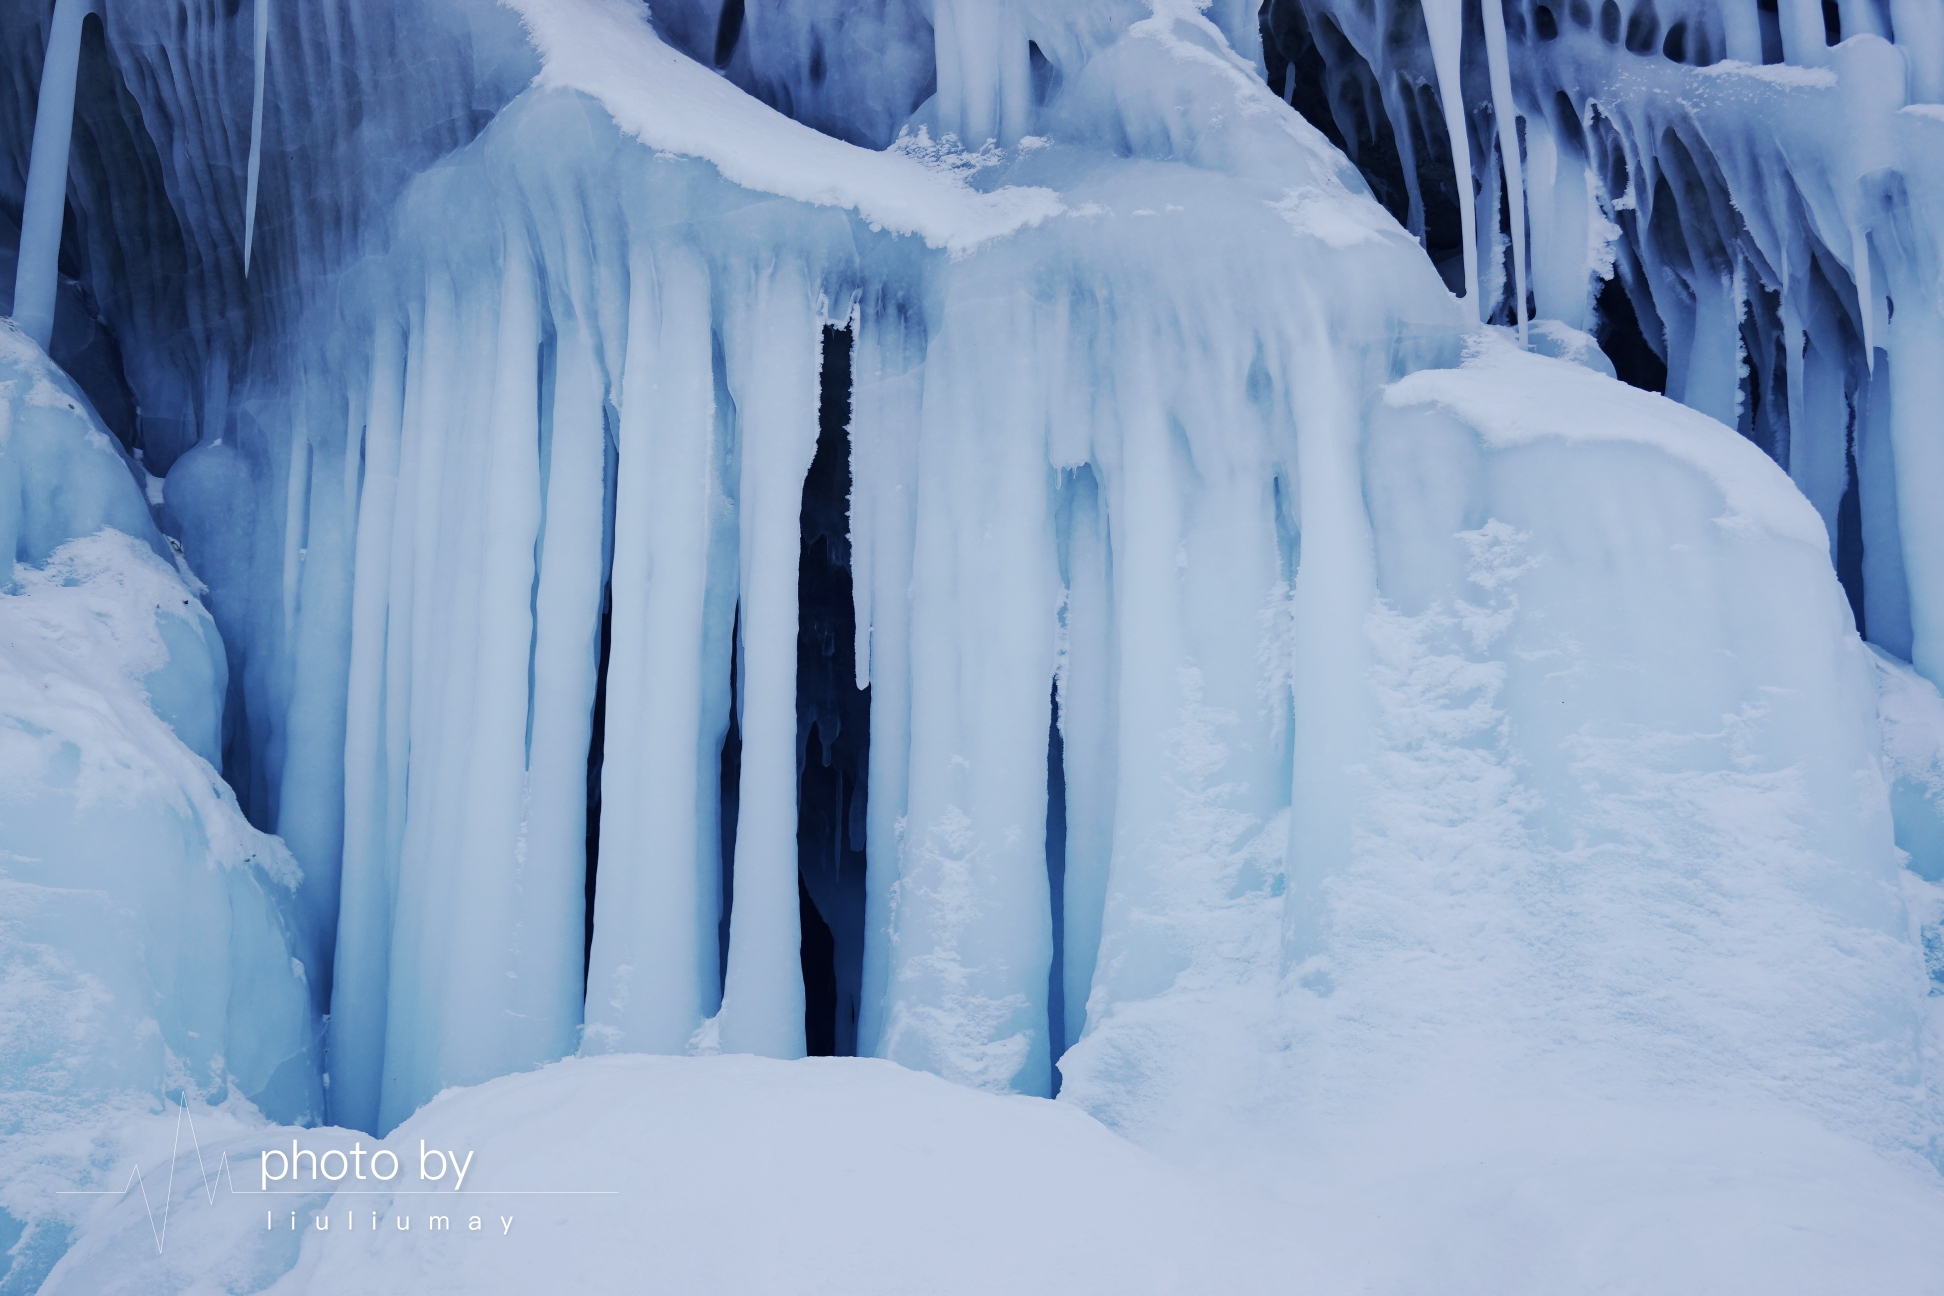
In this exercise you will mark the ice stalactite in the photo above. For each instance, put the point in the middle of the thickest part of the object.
(1089, 741)
(984, 77)
(771, 345)
(652, 973)
(1506, 117)
(967, 990)
(260, 47)
(886, 402)
(1444, 22)
(37, 273)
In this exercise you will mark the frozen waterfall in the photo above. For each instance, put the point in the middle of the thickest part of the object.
(1094, 547)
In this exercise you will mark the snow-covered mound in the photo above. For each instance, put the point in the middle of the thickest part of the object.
(736, 1174)
(145, 945)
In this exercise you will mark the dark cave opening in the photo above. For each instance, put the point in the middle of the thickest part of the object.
(833, 729)
(1634, 359)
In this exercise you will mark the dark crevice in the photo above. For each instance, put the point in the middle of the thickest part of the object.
(833, 730)
(596, 747)
(1849, 531)
(1056, 884)
(1620, 336)
(728, 31)
(1675, 46)
(730, 788)
(819, 954)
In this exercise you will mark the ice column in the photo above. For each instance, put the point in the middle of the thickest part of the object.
(1335, 582)
(1741, 27)
(1506, 115)
(887, 392)
(1089, 737)
(1561, 204)
(1919, 25)
(773, 345)
(262, 38)
(984, 80)
(37, 275)
(653, 969)
(1444, 20)
(1803, 41)
(972, 919)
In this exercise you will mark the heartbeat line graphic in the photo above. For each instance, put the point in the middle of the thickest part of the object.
(209, 1180)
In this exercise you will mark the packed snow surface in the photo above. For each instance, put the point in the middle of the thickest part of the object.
(740, 1174)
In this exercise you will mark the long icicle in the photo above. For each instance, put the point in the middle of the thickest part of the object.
(256, 132)
(37, 275)
(1506, 113)
(1444, 22)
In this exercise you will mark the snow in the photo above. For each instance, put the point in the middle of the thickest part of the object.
(605, 48)
(738, 1174)
(1514, 396)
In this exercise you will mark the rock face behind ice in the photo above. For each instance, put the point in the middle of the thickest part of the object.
(144, 947)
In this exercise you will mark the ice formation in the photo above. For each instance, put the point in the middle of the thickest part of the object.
(149, 944)
(994, 533)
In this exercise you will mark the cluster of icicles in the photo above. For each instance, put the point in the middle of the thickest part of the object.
(1796, 300)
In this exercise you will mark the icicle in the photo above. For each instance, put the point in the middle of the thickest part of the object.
(773, 352)
(1506, 114)
(1803, 40)
(1860, 18)
(519, 902)
(886, 404)
(296, 515)
(1919, 25)
(1336, 580)
(1559, 208)
(433, 671)
(262, 38)
(37, 276)
(1916, 346)
(973, 923)
(566, 662)
(653, 968)
(1444, 20)
(1741, 29)
(366, 885)
(1706, 373)
(1870, 74)
(984, 79)
(1088, 728)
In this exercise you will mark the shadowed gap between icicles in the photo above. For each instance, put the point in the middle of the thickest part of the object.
(833, 730)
